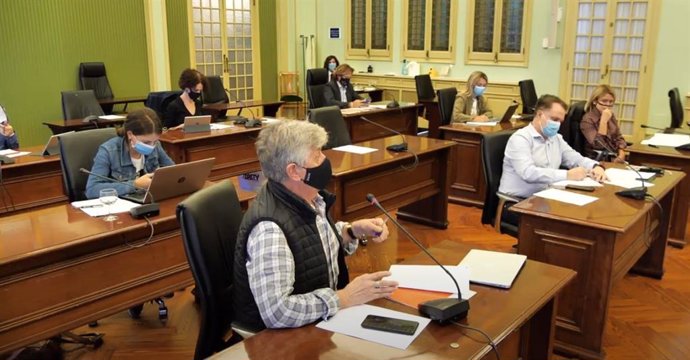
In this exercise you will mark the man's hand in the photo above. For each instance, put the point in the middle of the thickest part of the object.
(356, 103)
(597, 173)
(481, 118)
(577, 173)
(365, 288)
(375, 228)
(143, 182)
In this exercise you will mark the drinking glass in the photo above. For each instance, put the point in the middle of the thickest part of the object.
(108, 197)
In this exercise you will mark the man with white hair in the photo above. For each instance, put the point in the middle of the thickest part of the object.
(289, 265)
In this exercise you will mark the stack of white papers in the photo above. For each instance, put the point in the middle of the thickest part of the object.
(432, 278)
(354, 110)
(95, 207)
(13, 153)
(627, 178)
(217, 126)
(671, 140)
(481, 123)
(566, 197)
(354, 149)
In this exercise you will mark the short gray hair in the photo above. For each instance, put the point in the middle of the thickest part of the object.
(285, 142)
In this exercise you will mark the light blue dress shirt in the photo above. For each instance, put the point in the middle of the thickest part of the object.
(532, 163)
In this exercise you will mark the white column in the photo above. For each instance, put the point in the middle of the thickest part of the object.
(157, 44)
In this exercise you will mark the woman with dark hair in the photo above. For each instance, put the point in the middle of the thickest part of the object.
(189, 103)
(130, 158)
(330, 64)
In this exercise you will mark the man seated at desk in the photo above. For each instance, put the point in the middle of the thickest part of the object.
(339, 90)
(289, 265)
(534, 154)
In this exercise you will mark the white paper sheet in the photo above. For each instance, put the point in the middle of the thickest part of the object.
(566, 197)
(95, 207)
(19, 153)
(354, 149)
(481, 123)
(8, 152)
(355, 110)
(672, 140)
(627, 178)
(349, 322)
(432, 278)
(112, 117)
(269, 120)
(217, 126)
(377, 106)
(584, 182)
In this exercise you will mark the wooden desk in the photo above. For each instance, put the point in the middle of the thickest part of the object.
(520, 321)
(63, 126)
(32, 182)
(602, 241)
(402, 119)
(420, 194)
(60, 268)
(233, 149)
(122, 100)
(468, 186)
(672, 159)
(270, 106)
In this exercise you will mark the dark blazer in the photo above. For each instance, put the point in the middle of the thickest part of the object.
(331, 95)
(176, 112)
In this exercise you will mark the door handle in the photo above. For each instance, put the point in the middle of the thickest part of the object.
(606, 71)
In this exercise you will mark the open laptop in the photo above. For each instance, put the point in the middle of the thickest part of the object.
(175, 180)
(194, 124)
(493, 268)
(510, 111)
(52, 146)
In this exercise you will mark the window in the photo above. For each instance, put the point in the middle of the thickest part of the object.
(368, 29)
(497, 32)
(429, 29)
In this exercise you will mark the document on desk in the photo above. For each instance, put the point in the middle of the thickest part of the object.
(432, 278)
(481, 123)
(566, 197)
(354, 149)
(627, 178)
(217, 126)
(112, 117)
(671, 140)
(14, 153)
(95, 207)
(357, 110)
(349, 322)
(378, 106)
(584, 182)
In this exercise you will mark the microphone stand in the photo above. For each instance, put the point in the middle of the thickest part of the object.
(395, 147)
(637, 193)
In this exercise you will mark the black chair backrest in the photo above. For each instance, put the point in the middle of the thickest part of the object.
(80, 104)
(570, 128)
(77, 150)
(446, 101)
(214, 91)
(331, 119)
(425, 89)
(493, 148)
(158, 101)
(676, 108)
(210, 220)
(528, 95)
(92, 77)
(316, 84)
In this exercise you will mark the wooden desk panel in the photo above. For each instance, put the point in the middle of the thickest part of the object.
(674, 160)
(63, 126)
(31, 182)
(270, 107)
(602, 241)
(520, 320)
(403, 120)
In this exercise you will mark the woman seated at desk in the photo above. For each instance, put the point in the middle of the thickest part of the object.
(189, 103)
(600, 127)
(471, 105)
(339, 91)
(8, 138)
(131, 157)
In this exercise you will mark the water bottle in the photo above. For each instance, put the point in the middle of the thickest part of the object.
(404, 67)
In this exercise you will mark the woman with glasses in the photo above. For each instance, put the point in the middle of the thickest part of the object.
(130, 158)
(600, 127)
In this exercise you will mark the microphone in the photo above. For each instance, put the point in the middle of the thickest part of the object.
(138, 212)
(441, 310)
(668, 130)
(393, 104)
(238, 119)
(395, 147)
(637, 193)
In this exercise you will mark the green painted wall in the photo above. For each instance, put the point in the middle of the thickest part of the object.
(42, 43)
(269, 53)
(178, 38)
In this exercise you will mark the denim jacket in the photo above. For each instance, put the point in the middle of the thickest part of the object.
(8, 142)
(113, 161)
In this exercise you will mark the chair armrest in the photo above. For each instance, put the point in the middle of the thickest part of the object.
(243, 332)
(506, 197)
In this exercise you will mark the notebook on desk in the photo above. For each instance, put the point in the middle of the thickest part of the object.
(175, 180)
(493, 268)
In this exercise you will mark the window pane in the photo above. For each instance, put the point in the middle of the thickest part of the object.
(379, 22)
(358, 20)
(440, 25)
(483, 26)
(511, 26)
(416, 18)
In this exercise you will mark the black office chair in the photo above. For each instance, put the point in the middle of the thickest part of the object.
(92, 76)
(80, 104)
(493, 147)
(210, 219)
(331, 119)
(77, 150)
(528, 95)
(570, 128)
(446, 101)
(425, 89)
(158, 101)
(676, 108)
(316, 84)
(214, 93)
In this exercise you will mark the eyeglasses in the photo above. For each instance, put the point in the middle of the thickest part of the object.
(606, 103)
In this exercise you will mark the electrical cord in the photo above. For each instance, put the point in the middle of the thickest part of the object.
(414, 164)
(148, 221)
(491, 342)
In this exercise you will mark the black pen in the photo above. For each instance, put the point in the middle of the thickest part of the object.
(652, 145)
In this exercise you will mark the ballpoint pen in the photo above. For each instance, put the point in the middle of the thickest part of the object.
(91, 206)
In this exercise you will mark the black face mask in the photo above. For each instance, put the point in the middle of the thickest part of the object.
(193, 95)
(344, 81)
(319, 176)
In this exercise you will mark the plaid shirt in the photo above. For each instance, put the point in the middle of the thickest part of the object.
(271, 271)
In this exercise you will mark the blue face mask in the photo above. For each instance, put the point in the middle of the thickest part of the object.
(331, 66)
(551, 128)
(144, 149)
(479, 90)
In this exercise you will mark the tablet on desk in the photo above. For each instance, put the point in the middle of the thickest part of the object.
(194, 124)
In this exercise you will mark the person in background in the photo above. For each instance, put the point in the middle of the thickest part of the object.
(471, 105)
(189, 103)
(339, 90)
(535, 153)
(600, 127)
(289, 265)
(330, 64)
(8, 138)
(130, 158)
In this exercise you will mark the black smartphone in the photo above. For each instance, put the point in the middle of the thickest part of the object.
(580, 187)
(382, 323)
